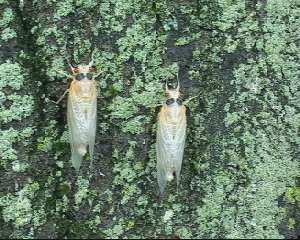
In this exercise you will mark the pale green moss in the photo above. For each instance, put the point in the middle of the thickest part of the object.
(242, 129)
(136, 125)
(266, 161)
(19, 107)
(62, 206)
(291, 223)
(8, 138)
(18, 166)
(11, 75)
(64, 8)
(115, 232)
(86, 3)
(182, 41)
(8, 34)
(22, 106)
(184, 233)
(18, 208)
(46, 142)
(123, 108)
(82, 191)
(293, 195)
(6, 18)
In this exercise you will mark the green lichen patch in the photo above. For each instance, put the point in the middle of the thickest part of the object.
(11, 75)
(239, 59)
(6, 20)
(15, 106)
(19, 208)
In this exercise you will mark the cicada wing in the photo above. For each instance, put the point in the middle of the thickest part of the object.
(170, 149)
(92, 118)
(180, 142)
(77, 125)
(162, 152)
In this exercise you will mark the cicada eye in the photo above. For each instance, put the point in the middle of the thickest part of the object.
(79, 76)
(89, 76)
(170, 101)
(93, 69)
(179, 101)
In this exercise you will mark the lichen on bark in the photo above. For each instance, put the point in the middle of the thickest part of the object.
(240, 173)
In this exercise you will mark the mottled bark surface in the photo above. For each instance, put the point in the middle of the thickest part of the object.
(240, 173)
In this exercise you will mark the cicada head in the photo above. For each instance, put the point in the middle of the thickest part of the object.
(84, 84)
(173, 94)
(83, 72)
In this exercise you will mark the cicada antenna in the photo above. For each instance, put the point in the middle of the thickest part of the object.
(67, 58)
(70, 65)
(166, 85)
(91, 63)
(92, 66)
(178, 84)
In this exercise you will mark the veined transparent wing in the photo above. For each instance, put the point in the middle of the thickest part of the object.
(170, 146)
(179, 142)
(78, 129)
(92, 119)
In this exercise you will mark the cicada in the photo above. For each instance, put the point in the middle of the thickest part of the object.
(82, 112)
(170, 138)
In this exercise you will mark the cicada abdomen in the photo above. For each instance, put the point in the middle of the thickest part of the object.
(171, 134)
(82, 113)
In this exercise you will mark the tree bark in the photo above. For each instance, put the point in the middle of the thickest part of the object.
(240, 172)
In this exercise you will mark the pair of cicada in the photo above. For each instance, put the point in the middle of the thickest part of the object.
(82, 112)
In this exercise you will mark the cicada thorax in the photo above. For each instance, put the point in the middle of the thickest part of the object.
(172, 116)
(83, 84)
(171, 133)
(82, 113)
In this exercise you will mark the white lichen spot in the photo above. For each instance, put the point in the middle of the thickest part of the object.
(18, 166)
(168, 215)
(82, 192)
(60, 164)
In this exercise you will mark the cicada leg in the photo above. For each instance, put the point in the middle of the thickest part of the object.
(61, 98)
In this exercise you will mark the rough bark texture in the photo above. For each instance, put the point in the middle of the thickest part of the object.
(240, 168)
